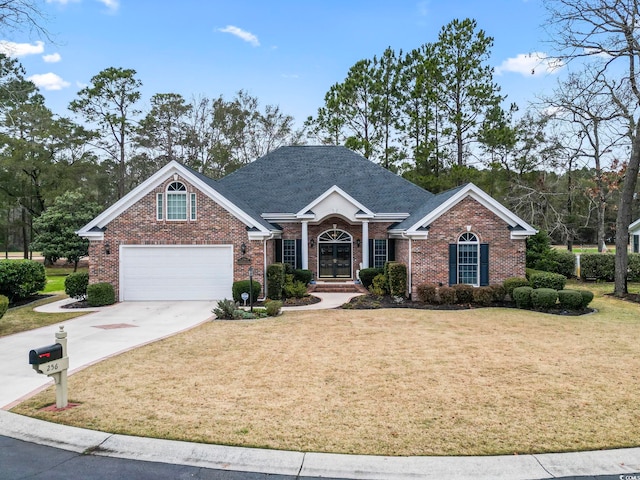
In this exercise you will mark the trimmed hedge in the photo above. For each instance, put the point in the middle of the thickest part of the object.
(570, 299)
(522, 296)
(75, 285)
(554, 281)
(447, 295)
(243, 286)
(634, 267)
(20, 279)
(304, 276)
(544, 298)
(4, 305)
(499, 292)
(587, 296)
(464, 293)
(100, 294)
(368, 274)
(597, 266)
(275, 280)
(397, 279)
(273, 307)
(427, 292)
(514, 282)
(483, 295)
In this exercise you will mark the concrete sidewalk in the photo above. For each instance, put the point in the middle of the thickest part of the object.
(124, 326)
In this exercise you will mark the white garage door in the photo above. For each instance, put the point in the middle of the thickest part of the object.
(175, 272)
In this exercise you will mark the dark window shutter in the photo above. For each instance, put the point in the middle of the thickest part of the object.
(298, 253)
(391, 249)
(278, 250)
(453, 264)
(484, 264)
(636, 244)
(371, 253)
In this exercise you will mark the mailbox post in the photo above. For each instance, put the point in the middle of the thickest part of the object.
(53, 361)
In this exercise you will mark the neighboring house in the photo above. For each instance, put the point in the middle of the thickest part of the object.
(183, 236)
(634, 233)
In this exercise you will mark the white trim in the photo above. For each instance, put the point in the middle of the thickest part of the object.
(302, 213)
(157, 179)
(634, 226)
(470, 190)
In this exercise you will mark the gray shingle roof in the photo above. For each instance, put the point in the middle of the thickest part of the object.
(290, 178)
(434, 202)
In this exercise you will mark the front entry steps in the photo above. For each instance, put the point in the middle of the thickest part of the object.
(337, 287)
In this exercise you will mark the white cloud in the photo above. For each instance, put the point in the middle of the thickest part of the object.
(12, 49)
(52, 58)
(242, 34)
(48, 81)
(536, 63)
(112, 5)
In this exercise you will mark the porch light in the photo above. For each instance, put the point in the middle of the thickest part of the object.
(358, 243)
(312, 242)
(243, 248)
(107, 248)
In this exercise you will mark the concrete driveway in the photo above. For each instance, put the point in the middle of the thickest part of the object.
(97, 335)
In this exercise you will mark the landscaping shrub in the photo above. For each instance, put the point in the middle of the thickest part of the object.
(548, 280)
(75, 285)
(464, 293)
(243, 286)
(544, 298)
(447, 295)
(100, 294)
(225, 309)
(273, 307)
(570, 299)
(368, 274)
(514, 282)
(499, 292)
(397, 278)
(483, 295)
(379, 285)
(20, 279)
(597, 266)
(304, 276)
(295, 289)
(538, 247)
(4, 305)
(243, 315)
(275, 280)
(587, 296)
(522, 296)
(565, 263)
(634, 267)
(427, 292)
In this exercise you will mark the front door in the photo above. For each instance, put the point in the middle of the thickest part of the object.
(335, 260)
(334, 254)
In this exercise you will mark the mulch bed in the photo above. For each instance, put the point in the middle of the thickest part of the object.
(367, 302)
(27, 301)
(78, 304)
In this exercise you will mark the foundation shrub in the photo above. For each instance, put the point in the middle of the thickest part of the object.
(379, 285)
(522, 296)
(464, 293)
(295, 289)
(544, 298)
(514, 282)
(587, 296)
(554, 281)
(302, 275)
(275, 280)
(75, 285)
(447, 295)
(368, 274)
(499, 292)
(243, 286)
(100, 294)
(397, 278)
(427, 293)
(570, 299)
(225, 309)
(483, 296)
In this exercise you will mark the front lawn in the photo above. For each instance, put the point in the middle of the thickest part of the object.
(384, 382)
(23, 318)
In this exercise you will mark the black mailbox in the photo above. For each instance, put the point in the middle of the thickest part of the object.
(45, 354)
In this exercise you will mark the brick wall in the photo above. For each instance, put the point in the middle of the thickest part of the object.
(431, 256)
(138, 226)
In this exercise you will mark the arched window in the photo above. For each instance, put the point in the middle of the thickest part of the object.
(468, 259)
(176, 201)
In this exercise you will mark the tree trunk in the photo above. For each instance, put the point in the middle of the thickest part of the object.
(25, 235)
(600, 234)
(623, 219)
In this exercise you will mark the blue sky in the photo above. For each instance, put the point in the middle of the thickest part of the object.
(284, 52)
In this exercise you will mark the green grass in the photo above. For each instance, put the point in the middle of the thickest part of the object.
(56, 277)
(586, 249)
(21, 319)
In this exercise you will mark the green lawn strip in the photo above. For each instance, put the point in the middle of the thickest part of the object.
(21, 319)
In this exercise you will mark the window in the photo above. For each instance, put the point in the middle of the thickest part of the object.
(289, 252)
(379, 253)
(159, 206)
(176, 201)
(468, 259)
(193, 206)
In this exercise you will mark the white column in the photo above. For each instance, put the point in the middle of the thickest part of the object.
(365, 244)
(305, 246)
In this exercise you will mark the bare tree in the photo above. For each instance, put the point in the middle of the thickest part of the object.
(606, 33)
(18, 15)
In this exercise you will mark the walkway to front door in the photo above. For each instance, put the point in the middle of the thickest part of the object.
(334, 249)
